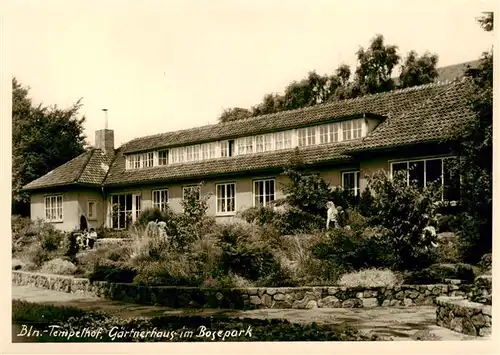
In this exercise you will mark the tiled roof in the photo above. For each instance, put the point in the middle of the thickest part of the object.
(413, 115)
(384, 104)
(262, 161)
(89, 168)
(431, 120)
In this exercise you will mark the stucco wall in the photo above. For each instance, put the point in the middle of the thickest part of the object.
(70, 209)
(244, 192)
(83, 197)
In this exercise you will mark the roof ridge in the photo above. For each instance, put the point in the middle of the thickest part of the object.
(297, 110)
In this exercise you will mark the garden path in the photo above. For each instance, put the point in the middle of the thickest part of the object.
(398, 323)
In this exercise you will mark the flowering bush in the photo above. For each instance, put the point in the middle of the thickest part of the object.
(58, 266)
(370, 278)
(404, 212)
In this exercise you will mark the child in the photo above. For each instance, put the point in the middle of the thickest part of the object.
(331, 214)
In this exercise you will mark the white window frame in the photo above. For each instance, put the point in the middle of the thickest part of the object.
(148, 160)
(225, 185)
(135, 210)
(165, 159)
(259, 143)
(161, 205)
(94, 216)
(269, 142)
(302, 137)
(224, 149)
(254, 196)
(356, 188)
(424, 159)
(56, 218)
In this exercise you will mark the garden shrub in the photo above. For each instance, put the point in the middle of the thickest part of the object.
(243, 253)
(155, 215)
(35, 254)
(18, 264)
(403, 211)
(370, 278)
(69, 245)
(438, 273)
(180, 270)
(486, 262)
(58, 266)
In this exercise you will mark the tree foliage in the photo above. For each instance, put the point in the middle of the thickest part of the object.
(43, 138)
(475, 166)
(418, 70)
(375, 66)
(374, 73)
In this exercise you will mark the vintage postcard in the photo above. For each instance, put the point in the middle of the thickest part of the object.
(238, 176)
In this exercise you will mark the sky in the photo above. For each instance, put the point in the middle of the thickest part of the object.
(160, 66)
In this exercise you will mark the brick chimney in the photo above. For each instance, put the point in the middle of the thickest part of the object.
(105, 138)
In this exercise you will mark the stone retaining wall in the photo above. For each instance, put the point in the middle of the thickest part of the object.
(463, 316)
(244, 298)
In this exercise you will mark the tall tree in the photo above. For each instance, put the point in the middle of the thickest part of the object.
(475, 163)
(418, 70)
(375, 66)
(43, 138)
(339, 86)
(271, 103)
(234, 114)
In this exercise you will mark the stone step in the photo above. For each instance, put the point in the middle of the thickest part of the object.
(464, 316)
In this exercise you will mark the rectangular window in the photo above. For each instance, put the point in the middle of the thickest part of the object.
(205, 154)
(54, 208)
(136, 161)
(226, 198)
(425, 171)
(302, 134)
(268, 142)
(192, 153)
(249, 145)
(288, 139)
(263, 192)
(307, 136)
(311, 135)
(196, 189)
(333, 130)
(177, 155)
(259, 144)
(241, 146)
(163, 157)
(160, 199)
(346, 130)
(323, 134)
(148, 159)
(224, 149)
(196, 152)
(91, 210)
(211, 150)
(124, 210)
(350, 182)
(357, 129)
(279, 140)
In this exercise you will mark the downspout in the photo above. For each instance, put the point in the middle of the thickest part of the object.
(104, 207)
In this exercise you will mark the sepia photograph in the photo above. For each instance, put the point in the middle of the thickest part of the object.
(238, 171)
